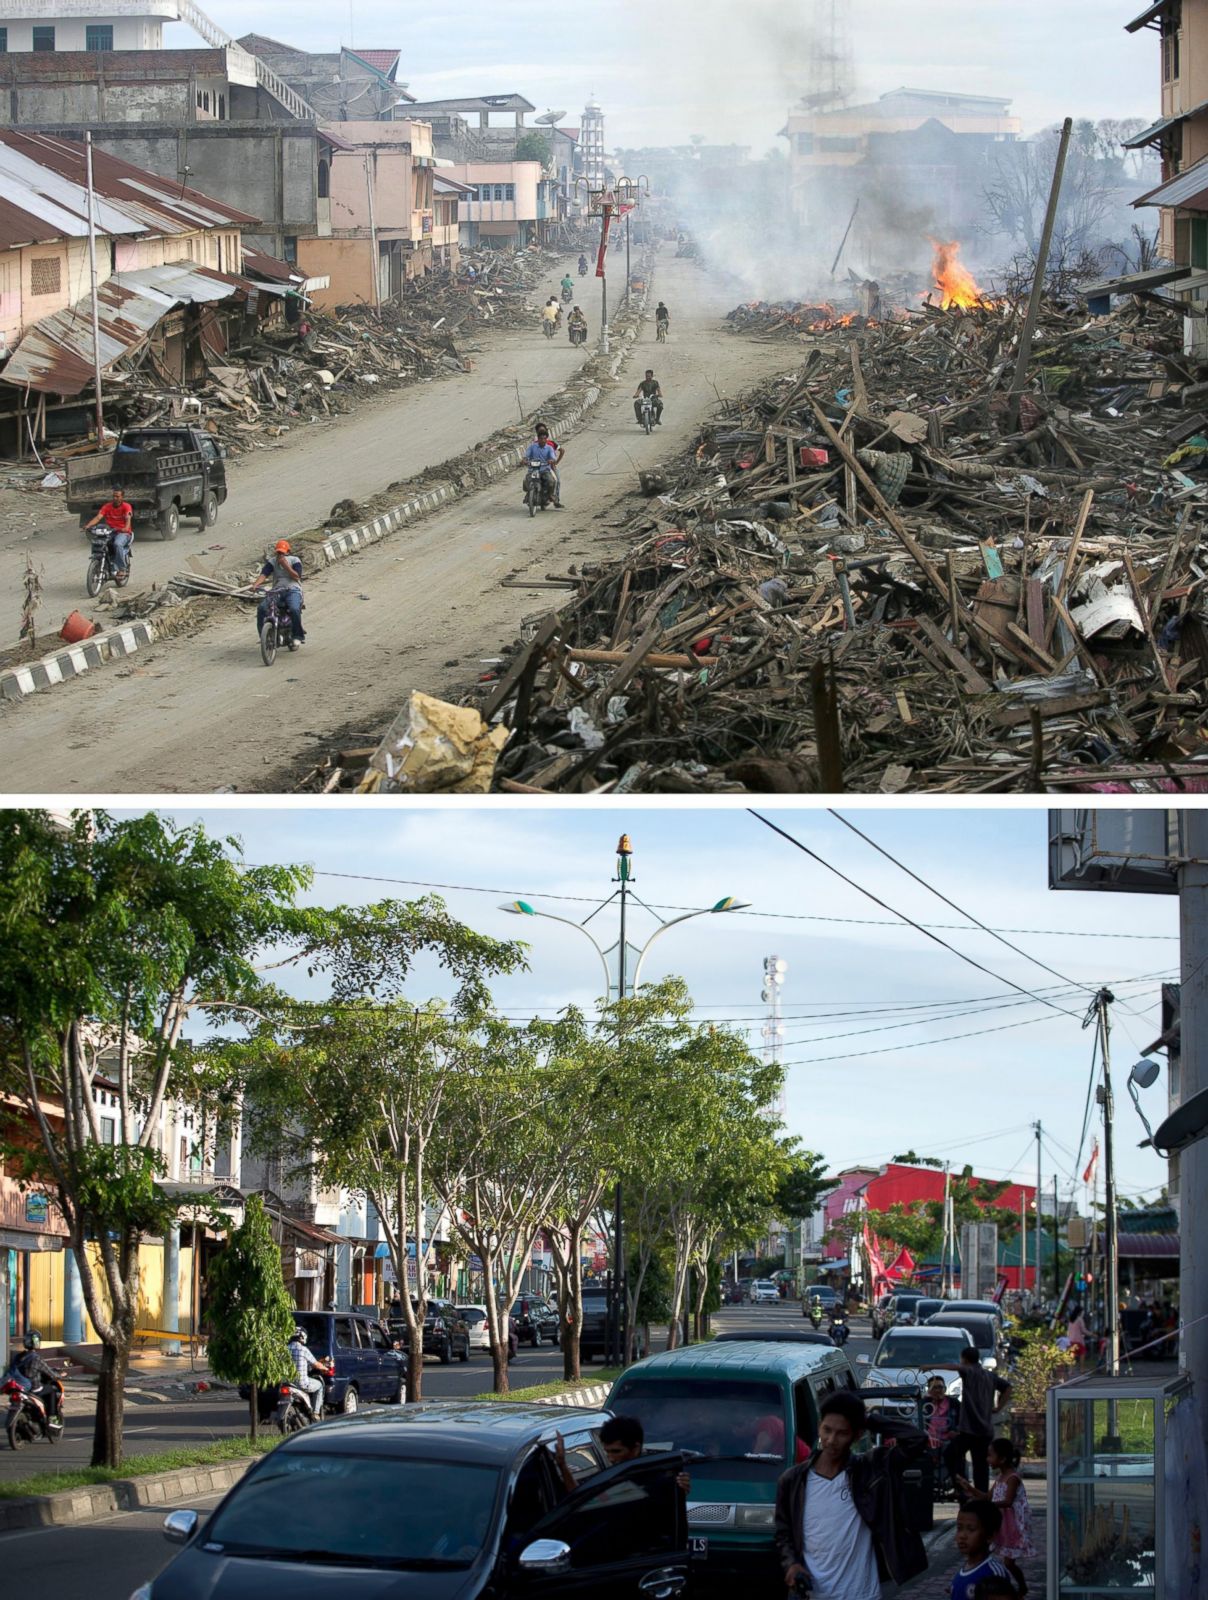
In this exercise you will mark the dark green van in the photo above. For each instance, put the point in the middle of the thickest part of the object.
(742, 1414)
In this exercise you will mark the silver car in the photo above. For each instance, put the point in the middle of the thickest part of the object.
(907, 1357)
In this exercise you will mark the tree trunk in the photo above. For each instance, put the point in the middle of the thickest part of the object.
(415, 1363)
(110, 1398)
(499, 1363)
(254, 1413)
(572, 1314)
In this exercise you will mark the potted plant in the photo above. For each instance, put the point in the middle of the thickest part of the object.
(1038, 1367)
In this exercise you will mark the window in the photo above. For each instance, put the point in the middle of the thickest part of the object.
(44, 38)
(345, 1338)
(289, 249)
(108, 1130)
(499, 191)
(1199, 242)
(98, 37)
(45, 275)
(805, 144)
(324, 180)
(622, 1519)
(3, 41)
(1170, 47)
(222, 108)
(509, 191)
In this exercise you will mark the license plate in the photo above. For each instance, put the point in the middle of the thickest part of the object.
(698, 1547)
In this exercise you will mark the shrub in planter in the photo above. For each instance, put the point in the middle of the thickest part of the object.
(1038, 1367)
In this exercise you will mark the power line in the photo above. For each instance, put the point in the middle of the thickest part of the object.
(765, 916)
(885, 906)
(919, 1044)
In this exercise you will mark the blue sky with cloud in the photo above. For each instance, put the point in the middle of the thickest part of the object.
(973, 1096)
(677, 67)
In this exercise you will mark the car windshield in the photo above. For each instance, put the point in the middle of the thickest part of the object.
(914, 1350)
(713, 1421)
(353, 1510)
(926, 1308)
(979, 1329)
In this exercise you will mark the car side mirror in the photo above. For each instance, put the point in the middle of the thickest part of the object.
(180, 1526)
(545, 1556)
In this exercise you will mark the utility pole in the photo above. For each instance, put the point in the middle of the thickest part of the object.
(1037, 1285)
(96, 314)
(1020, 379)
(1023, 1240)
(1111, 1324)
(945, 1274)
(1193, 1161)
(618, 1319)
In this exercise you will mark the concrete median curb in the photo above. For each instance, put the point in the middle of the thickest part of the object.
(98, 1500)
(74, 659)
(591, 1394)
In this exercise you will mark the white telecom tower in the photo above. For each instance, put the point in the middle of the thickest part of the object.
(774, 969)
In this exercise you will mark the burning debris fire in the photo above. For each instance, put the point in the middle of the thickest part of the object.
(956, 284)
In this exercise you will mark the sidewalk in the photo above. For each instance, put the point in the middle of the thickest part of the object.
(933, 1585)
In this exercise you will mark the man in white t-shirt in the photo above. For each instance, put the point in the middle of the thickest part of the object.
(840, 1528)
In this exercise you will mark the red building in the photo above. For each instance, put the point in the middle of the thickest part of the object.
(897, 1184)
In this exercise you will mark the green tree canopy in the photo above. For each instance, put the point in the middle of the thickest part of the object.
(251, 1314)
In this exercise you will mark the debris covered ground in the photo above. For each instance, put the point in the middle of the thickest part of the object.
(869, 577)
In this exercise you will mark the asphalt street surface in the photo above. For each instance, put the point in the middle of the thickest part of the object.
(108, 1560)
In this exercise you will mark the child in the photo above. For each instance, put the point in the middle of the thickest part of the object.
(1014, 1540)
(977, 1523)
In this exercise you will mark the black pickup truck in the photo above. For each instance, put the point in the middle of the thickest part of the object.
(167, 473)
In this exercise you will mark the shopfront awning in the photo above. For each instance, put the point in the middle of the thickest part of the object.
(1151, 18)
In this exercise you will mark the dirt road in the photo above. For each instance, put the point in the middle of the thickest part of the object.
(419, 610)
(294, 482)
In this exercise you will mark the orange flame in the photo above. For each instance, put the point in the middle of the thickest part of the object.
(956, 284)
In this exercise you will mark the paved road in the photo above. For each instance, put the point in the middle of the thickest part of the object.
(293, 482)
(108, 1560)
(153, 1425)
(419, 610)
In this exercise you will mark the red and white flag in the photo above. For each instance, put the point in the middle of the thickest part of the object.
(1089, 1174)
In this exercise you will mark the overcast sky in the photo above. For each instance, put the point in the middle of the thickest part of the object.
(730, 72)
(864, 1082)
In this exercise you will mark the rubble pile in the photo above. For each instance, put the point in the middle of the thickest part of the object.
(868, 577)
(252, 394)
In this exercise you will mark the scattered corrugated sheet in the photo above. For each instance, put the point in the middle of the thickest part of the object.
(56, 355)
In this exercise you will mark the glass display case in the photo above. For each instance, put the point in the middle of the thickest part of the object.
(1107, 1452)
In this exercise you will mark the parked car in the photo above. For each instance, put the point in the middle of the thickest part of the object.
(743, 1411)
(764, 1291)
(535, 1320)
(475, 1319)
(984, 1331)
(905, 1307)
(368, 1366)
(907, 1357)
(922, 1309)
(882, 1314)
(446, 1334)
(593, 1340)
(446, 1501)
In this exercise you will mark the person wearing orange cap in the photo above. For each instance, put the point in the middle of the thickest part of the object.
(282, 571)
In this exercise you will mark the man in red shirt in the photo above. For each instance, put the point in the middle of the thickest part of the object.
(118, 515)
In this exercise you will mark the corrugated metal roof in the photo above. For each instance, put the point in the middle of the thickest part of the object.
(55, 356)
(259, 264)
(1187, 190)
(46, 176)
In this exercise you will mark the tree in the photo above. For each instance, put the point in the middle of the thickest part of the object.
(251, 1313)
(534, 146)
(1018, 193)
(354, 1087)
(113, 934)
(803, 1185)
(912, 1159)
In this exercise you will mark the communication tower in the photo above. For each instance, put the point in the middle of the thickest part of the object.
(774, 970)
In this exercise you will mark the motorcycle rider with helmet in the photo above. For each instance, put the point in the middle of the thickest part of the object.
(283, 572)
(40, 1381)
(304, 1362)
(815, 1312)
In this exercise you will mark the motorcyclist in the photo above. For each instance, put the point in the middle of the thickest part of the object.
(662, 315)
(546, 453)
(583, 266)
(575, 322)
(305, 1361)
(283, 571)
(816, 1311)
(568, 285)
(551, 311)
(838, 1323)
(40, 1381)
(649, 388)
(118, 515)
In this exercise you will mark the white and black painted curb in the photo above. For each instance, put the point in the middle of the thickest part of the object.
(74, 659)
(591, 1394)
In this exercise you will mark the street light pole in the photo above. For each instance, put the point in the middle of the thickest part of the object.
(1104, 999)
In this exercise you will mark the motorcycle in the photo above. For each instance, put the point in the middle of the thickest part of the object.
(538, 493)
(583, 266)
(567, 295)
(26, 1415)
(276, 631)
(646, 413)
(815, 1315)
(294, 1411)
(839, 1331)
(660, 330)
(100, 565)
(549, 327)
(578, 333)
